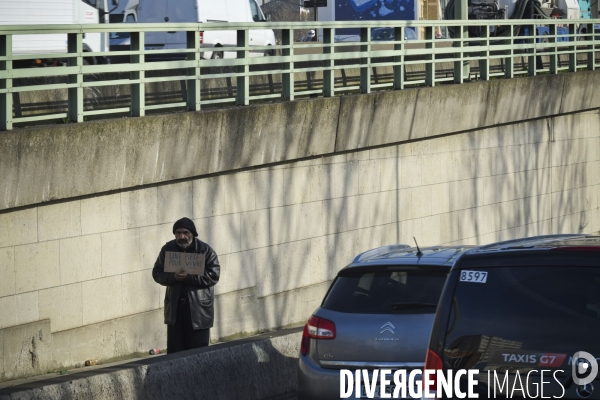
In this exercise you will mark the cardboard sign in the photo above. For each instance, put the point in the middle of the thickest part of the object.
(189, 263)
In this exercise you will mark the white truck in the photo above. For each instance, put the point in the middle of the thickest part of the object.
(44, 12)
(204, 11)
(126, 12)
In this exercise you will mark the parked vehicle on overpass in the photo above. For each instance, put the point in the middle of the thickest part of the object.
(387, 34)
(523, 9)
(128, 12)
(543, 33)
(379, 35)
(519, 308)
(38, 12)
(121, 41)
(215, 43)
(377, 313)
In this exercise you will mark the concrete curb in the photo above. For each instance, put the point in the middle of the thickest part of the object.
(263, 367)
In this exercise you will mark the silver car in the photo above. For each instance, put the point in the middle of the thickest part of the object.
(378, 313)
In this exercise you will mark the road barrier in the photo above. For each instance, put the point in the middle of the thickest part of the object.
(258, 368)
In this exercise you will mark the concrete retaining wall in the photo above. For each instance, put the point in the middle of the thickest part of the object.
(76, 281)
(254, 369)
(65, 161)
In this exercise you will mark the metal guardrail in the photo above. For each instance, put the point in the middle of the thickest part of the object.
(292, 62)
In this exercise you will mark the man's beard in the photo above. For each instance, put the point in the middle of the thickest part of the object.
(183, 243)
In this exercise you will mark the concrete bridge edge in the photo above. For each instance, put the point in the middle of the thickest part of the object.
(59, 162)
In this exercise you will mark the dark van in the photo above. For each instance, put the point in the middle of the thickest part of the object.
(519, 311)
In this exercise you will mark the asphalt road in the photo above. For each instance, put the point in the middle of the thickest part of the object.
(289, 396)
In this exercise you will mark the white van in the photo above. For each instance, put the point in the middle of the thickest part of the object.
(204, 11)
(41, 12)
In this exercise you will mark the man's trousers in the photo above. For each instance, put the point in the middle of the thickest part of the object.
(182, 336)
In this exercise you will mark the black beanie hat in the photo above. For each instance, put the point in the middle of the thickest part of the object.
(185, 223)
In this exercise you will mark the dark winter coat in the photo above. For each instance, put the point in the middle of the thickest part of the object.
(200, 288)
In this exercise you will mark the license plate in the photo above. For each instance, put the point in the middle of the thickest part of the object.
(389, 389)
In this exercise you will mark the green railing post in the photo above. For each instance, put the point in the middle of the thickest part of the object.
(328, 74)
(287, 90)
(398, 68)
(532, 58)
(484, 63)
(591, 64)
(6, 102)
(592, 54)
(75, 94)
(509, 71)
(572, 54)
(459, 70)
(193, 81)
(461, 67)
(553, 56)
(365, 69)
(430, 62)
(243, 83)
(138, 89)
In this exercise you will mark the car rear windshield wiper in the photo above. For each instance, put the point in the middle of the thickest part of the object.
(401, 306)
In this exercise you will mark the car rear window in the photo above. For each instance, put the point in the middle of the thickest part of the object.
(386, 292)
(530, 310)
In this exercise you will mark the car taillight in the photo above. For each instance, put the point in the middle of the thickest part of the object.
(201, 37)
(320, 328)
(432, 362)
(316, 328)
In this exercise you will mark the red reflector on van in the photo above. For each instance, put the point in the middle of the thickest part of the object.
(591, 249)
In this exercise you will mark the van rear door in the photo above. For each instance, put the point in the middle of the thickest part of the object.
(258, 37)
(152, 12)
(180, 11)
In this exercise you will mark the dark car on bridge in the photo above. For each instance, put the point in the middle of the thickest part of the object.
(388, 34)
(377, 313)
(515, 309)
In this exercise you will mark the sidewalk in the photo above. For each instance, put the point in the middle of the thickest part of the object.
(261, 367)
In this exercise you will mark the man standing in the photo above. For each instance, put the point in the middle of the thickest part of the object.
(189, 308)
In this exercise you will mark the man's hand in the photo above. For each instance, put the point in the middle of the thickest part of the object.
(179, 276)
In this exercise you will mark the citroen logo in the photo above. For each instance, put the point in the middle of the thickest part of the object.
(388, 327)
(584, 391)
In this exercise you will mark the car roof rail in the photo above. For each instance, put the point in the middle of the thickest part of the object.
(378, 251)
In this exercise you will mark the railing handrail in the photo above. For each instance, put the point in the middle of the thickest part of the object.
(291, 73)
(213, 26)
